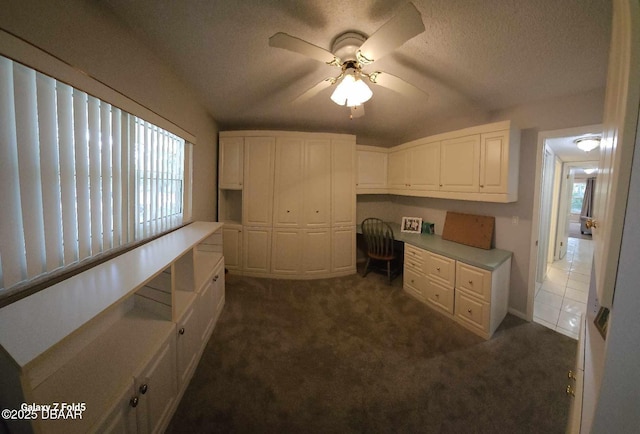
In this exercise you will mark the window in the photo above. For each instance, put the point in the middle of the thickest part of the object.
(78, 176)
(577, 195)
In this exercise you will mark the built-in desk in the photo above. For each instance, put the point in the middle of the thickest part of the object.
(467, 284)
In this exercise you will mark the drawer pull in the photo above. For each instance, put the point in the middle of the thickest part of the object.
(181, 331)
(571, 391)
(571, 375)
(133, 402)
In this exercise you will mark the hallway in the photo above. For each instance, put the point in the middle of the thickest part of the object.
(562, 297)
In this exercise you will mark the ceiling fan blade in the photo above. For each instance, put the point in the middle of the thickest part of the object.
(395, 32)
(395, 83)
(357, 111)
(327, 82)
(297, 45)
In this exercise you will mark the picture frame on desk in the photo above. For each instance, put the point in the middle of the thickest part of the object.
(411, 225)
(428, 228)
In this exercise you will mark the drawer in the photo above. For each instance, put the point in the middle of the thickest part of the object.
(473, 280)
(439, 296)
(441, 269)
(472, 311)
(414, 283)
(414, 257)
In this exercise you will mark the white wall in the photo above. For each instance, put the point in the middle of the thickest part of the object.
(88, 37)
(573, 111)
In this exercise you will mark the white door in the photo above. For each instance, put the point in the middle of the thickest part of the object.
(256, 251)
(343, 183)
(343, 258)
(563, 212)
(317, 183)
(286, 252)
(494, 162)
(157, 390)
(617, 146)
(257, 195)
(231, 162)
(546, 191)
(316, 251)
(288, 184)
(460, 164)
(424, 167)
(232, 246)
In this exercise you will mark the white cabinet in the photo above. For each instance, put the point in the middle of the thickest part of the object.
(256, 250)
(343, 256)
(478, 163)
(459, 164)
(343, 183)
(209, 304)
(257, 195)
(232, 246)
(156, 390)
(286, 252)
(289, 182)
(231, 163)
(317, 183)
(371, 170)
(316, 251)
(117, 348)
(474, 297)
(298, 205)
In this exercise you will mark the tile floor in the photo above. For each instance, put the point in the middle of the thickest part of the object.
(562, 297)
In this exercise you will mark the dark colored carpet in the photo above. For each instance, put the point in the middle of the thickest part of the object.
(352, 355)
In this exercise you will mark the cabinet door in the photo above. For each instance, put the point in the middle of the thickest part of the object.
(121, 418)
(459, 164)
(187, 344)
(372, 170)
(316, 254)
(232, 247)
(286, 251)
(343, 183)
(317, 183)
(231, 162)
(218, 289)
(256, 252)
(257, 195)
(157, 391)
(494, 162)
(397, 177)
(424, 167)
(289, 181)
(343, 258)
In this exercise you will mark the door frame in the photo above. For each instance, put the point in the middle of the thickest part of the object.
(535, 222)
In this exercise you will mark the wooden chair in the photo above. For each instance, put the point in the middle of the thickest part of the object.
(379, 240)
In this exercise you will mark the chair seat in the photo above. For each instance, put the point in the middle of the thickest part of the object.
(382, 257)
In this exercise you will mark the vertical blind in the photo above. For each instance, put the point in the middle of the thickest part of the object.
(78, 176)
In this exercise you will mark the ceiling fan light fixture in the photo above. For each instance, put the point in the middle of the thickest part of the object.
(351, 91)
(587, 144)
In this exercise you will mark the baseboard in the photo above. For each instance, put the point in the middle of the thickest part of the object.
(519, 314)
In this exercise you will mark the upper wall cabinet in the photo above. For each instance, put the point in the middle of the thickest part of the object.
(371, 170)
(479, 163)
(231, 163)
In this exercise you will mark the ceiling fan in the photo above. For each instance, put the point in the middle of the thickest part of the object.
(353, 53)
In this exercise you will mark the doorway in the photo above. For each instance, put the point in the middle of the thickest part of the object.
(560, 264)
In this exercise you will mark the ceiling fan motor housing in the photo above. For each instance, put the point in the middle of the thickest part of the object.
(346, 45)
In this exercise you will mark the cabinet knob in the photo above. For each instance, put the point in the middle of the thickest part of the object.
(481, 186)
(288, 211)
(411, 280)
(143, 389)
(437, 295)
(133, 402)
(440, 185)
(571, 375)
(571, 391)
(215, 278)
(471, 282)
(317, 211)
(469, 310)
(181, 331)
(437, 268)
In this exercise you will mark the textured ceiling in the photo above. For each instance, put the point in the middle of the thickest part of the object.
(475, 57)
